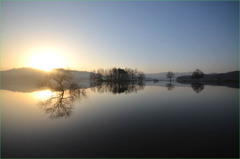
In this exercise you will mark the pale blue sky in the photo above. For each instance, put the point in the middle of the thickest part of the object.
(150, 36)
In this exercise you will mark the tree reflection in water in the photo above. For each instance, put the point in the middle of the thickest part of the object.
(117, 87)
(197, 87)
(60, 103)
(170, 86)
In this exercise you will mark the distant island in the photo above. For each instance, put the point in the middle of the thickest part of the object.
(230, 79)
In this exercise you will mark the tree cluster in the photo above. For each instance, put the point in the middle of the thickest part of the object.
(197, 74)
(117, 75)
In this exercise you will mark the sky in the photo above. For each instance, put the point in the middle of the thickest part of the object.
(150, 36)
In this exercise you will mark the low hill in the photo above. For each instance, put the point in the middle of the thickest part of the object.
(21, 79)
(27, 79)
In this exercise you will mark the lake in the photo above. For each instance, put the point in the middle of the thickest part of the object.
(151, 120)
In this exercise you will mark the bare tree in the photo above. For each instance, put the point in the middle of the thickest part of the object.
(66, 93)
(197, 74)
(58, 80)
(170, 75)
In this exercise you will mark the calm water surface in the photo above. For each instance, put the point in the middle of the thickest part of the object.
(155, 120)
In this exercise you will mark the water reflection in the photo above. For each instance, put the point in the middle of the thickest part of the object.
(168, 122)
(170, 86)
(59, 104)
(197, 87)
(118, 87)
(43, 95)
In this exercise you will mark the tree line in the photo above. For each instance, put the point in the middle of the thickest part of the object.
(117, 75)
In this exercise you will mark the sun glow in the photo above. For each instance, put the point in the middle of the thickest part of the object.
(47, 61)
(43, 95)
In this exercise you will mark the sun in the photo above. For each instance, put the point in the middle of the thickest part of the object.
(47, 61)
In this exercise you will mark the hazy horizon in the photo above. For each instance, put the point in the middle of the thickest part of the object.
(109, 68)
(150, 36)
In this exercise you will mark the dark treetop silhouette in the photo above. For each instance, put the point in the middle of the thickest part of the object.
(170, 75)
(117, 75)
(197, 74)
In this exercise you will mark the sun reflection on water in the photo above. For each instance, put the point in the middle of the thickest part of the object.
(43, 95)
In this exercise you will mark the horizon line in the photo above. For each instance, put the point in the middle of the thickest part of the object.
(111, 67)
